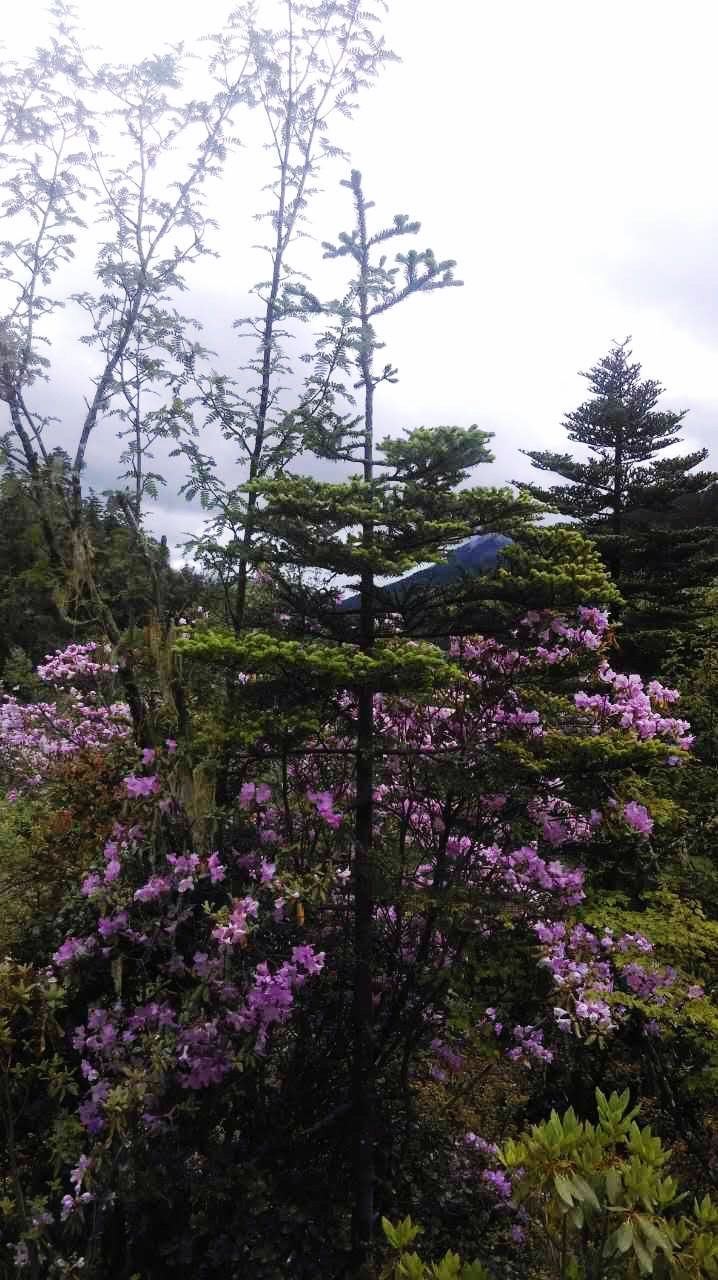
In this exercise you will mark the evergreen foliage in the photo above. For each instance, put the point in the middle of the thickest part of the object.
(319, 895)
(625, 496)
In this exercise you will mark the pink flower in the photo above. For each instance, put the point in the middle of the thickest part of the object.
(324, 802)
(141, 786)
(73, 949)
(638, 817)
(307, 959)
(216, 871)
(153, 889)
(148, 755)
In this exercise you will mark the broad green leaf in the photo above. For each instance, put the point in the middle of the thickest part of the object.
(645, 1261)
(624, 1237)
(614, 1185)
(390, 1233)
(585, 1191)
(656, 1236)
(564, 1189)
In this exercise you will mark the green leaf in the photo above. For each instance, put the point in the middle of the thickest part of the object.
(449, 1268)
(564, 1188)
(624, 1237)
(576, 1216)
(411, 1267)
(474, 1271)
(645, 1261)
(586, 1192)
(614, 1186)
(656, 1236)
(390, 1233)
(401, 1234)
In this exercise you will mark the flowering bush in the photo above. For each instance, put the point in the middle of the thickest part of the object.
(600, 1197)
(210, 957)
(35, 735)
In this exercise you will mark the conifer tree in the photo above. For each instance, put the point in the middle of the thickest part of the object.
(624, 431)
(400, 510)
(405, 506)
(621, 495)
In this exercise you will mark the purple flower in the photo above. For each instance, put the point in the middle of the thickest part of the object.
(141, 786)
(216, 871)
(153, 889)
(246, 794)
(475, 1143)
(638, 817)
(78, 1173)
(306, 957)
(73, 949)
(324, 803)
(108, 926)
(497, 1180)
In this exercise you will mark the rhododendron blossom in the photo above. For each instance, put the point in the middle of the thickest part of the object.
(34, 735)
(202, 954)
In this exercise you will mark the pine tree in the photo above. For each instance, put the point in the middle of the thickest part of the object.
(622, 496)
(406, 506)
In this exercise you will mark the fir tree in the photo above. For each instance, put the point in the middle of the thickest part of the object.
(622, 496)
(406, 506)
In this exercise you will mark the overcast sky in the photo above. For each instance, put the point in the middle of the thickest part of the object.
(563, 152)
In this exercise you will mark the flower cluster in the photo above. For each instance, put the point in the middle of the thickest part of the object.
(74, 663)
(196, 956)
(631, 706)
(34, 735)
(216, 995)
(593, 974)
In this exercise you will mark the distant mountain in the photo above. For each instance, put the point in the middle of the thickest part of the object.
(479, 555)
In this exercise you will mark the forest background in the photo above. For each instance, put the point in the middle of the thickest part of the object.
(319, 897)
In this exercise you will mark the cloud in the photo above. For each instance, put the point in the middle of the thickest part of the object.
(559, 152)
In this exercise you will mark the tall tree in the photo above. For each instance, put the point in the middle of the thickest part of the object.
(308, 74)
(127, 148)
(405, 506)
(621, 494)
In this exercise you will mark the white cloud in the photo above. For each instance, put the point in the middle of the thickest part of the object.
(562, 152)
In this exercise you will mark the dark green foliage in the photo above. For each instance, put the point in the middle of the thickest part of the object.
(284, 1170)
(624, 431)
(28, 618)
(41, 608)
(649, 516)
